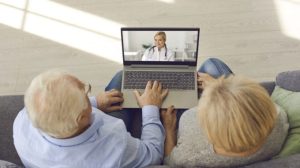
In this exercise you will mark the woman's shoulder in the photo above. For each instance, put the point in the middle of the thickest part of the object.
(189, 122)
(192, 145)
(275, 140)
(190, 113)
(282, 117)
(280, 128)
(277, 137)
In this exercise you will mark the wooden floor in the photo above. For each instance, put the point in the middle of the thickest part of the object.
(254, 37)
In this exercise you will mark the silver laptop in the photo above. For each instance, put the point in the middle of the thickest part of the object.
(168, 55)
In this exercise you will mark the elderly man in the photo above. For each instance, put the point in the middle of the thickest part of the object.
(61, 126)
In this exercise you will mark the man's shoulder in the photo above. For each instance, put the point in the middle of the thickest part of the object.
(21, 120)
(108, 124)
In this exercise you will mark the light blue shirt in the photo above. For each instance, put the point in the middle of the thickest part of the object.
(105, 143)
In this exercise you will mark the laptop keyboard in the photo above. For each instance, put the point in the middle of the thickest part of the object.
(170, 80)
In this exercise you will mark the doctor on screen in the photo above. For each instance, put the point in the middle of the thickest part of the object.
(159, 52)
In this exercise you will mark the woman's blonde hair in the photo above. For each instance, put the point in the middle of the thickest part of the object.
(236, 114)
(162, 34)
(54, 101)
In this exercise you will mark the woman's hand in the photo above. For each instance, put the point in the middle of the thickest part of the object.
(169, 120)
(204, 79)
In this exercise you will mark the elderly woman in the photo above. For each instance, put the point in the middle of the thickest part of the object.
(235, 124)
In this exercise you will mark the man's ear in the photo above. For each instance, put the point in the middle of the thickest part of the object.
(83, 117)
(80, 118)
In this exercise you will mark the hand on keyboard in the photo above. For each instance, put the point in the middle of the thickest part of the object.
(153, 94)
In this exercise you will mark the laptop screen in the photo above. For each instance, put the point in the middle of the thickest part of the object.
(174, 46)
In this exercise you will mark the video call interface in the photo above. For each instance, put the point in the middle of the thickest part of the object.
(160, 45)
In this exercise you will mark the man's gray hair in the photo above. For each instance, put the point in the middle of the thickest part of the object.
(54, 101)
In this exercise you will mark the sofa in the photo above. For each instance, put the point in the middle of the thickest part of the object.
(11, 105)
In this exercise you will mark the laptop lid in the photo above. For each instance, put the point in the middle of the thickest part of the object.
(181, 46)
(141, 49)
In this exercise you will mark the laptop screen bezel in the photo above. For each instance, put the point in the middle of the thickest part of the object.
(189, 63)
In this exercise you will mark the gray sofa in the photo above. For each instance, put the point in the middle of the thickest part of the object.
(11, 105)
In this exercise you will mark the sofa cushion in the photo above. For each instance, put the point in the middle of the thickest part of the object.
(6, 164)
(289, 101)
(287, 95)
(286, 162)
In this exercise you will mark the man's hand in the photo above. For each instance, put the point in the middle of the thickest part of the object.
(110, 100)
(203, 79)
(153, 95)
(169, 119)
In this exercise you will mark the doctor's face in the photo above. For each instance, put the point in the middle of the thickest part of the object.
(159, 41)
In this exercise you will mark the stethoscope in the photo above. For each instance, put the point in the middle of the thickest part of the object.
(152, 48)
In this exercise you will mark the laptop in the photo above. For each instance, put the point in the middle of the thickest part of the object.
(168, 55)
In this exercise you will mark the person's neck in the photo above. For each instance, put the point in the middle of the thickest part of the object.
(159, 49)
(80, 130)
(221, 151)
